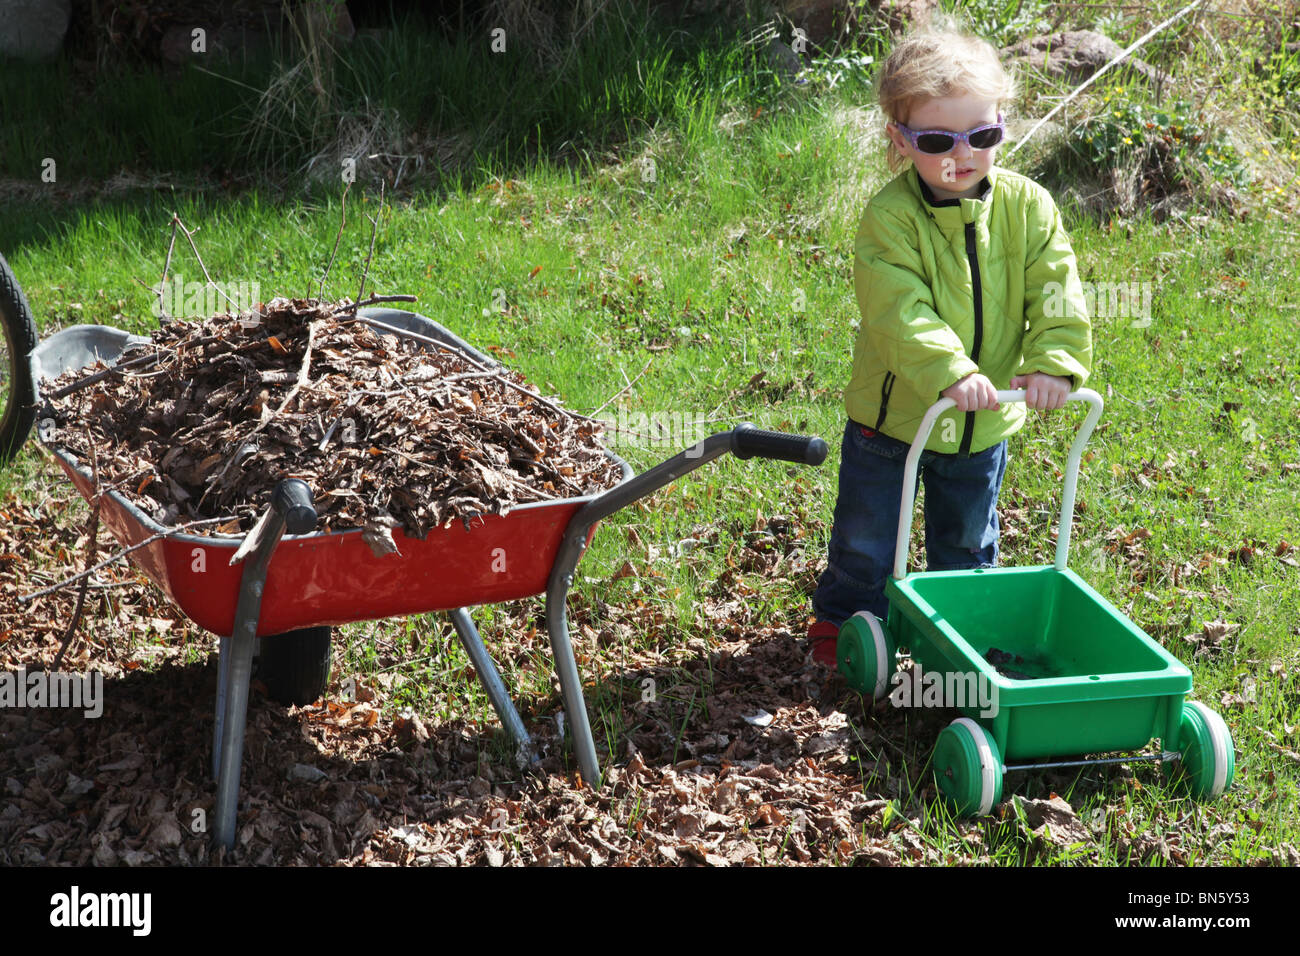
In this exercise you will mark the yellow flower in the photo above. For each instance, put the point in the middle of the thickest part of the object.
(1127, 141)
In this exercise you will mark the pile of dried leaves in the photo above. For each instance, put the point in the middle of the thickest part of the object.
(756, 770)
(388, 431)
(40, 545)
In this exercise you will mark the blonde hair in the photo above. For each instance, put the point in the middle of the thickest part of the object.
(936, 60)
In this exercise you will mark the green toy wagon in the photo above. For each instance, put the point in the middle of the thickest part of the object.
(1039, 664)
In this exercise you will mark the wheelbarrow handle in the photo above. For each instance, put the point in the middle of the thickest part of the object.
(743, 441)
(292, 501)
(1071, 472)
(748, 442)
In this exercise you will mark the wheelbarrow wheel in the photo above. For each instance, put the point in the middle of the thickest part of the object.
(968, 767)
(1208, 759)
(864, 654)
(295, 666)
(17, 340)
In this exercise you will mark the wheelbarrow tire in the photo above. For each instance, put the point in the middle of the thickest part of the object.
(968, 767)
(295, 666)
(19, 332)
(864, 655)
(1208, 760)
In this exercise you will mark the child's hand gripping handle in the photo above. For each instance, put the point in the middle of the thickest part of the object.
(1071, 472)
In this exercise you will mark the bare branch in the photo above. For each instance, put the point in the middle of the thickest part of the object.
(190, 236)
(339, 235)
(374, 230)
(125, 551)
(162, 286)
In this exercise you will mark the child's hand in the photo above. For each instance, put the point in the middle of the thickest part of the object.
(972, 393)
(1042, 390)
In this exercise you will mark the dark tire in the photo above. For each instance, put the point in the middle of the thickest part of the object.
(295, 666)
(17, 396)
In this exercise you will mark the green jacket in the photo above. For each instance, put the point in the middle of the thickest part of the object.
(917, 261)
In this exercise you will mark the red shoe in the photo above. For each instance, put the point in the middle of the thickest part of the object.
(824, 636)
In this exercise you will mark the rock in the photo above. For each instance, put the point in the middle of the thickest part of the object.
(33, 29)
(1075, 55)
(784, 60)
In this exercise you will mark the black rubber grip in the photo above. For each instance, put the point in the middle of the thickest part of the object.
(748, 442)
(292, 499)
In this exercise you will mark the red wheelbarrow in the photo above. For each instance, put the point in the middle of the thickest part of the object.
(303, 579)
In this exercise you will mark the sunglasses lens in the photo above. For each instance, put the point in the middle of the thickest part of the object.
(986, 138)
(934, 142)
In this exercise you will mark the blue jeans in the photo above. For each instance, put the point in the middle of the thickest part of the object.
(961, 519)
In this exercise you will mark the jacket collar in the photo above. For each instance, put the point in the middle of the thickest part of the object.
(953, 213)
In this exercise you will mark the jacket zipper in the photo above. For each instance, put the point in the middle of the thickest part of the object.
(964, 450)
(886, 389)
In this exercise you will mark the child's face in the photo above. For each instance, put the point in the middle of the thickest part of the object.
(957, 173)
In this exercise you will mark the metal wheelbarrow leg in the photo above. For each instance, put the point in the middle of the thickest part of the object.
(525, 754)
(290, 508)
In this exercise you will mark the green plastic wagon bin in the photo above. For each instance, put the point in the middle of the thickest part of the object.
(1039, 664)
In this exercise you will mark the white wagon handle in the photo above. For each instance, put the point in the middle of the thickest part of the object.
(1071, 471)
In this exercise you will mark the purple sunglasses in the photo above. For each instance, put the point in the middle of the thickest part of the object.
(937, 141)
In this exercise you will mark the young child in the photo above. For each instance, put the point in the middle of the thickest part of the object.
(967, 284)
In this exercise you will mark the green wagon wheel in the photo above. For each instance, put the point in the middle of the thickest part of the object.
(968, 767)
(1208, 758)
(865, 655)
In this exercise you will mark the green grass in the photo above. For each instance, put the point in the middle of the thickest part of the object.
(733, 258)
(415, 88)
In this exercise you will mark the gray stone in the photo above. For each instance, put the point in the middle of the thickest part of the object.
(33, 29)
(1076, 55)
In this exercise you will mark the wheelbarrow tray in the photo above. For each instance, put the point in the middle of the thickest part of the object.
(326, 578)
(1096, 682)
